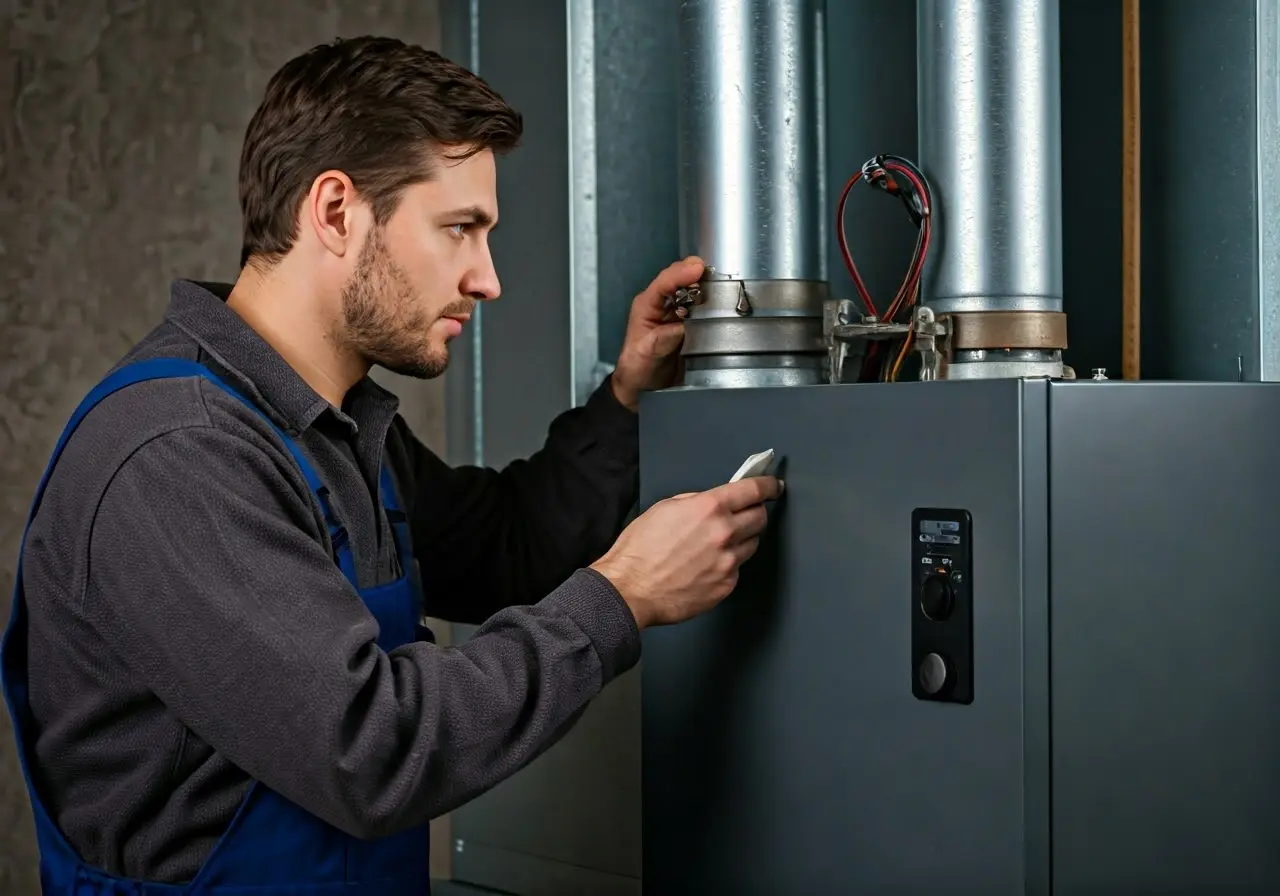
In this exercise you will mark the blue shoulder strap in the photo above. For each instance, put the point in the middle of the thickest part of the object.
(174, 368)
(163, 369)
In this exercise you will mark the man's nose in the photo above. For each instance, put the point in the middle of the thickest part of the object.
(482, 282)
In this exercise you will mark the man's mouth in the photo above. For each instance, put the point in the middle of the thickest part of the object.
(453, 324)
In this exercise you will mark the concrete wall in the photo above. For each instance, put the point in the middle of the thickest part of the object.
(119, 140)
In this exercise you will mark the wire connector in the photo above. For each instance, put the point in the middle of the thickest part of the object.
(875, 174)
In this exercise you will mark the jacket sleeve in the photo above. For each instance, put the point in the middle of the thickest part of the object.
(237, 618)
(488, 539)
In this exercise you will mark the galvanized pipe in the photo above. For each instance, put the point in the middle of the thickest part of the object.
(991, 146)
(750, 125)
(751, 188)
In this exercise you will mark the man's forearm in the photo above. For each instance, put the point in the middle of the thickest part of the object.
(482, 710)
(511, 536)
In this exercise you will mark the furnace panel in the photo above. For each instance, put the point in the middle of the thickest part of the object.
(784, 750)
(1122, 734)
(1166, 638)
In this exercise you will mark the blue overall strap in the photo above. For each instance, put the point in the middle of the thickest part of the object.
(409, 569)
(390, 495)
(164, 369)
(177, 368)
(396, 517)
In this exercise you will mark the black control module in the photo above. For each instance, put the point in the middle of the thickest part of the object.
(942, 605)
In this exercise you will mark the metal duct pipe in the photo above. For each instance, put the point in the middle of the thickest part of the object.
(991, 145)
(752, 175)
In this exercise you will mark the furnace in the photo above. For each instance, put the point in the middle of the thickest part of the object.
(1012, 631)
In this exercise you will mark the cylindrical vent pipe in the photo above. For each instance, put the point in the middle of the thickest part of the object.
(751, 185)
(991, 146)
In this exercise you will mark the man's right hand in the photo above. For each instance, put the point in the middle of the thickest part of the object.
(681, 556)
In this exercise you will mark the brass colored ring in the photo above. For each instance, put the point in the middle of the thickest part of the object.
(978, 330)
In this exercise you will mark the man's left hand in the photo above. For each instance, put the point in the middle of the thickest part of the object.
(650, 356)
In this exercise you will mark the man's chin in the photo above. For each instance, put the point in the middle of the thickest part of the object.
(421, 369)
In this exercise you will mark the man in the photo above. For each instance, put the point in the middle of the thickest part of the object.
(215, 663)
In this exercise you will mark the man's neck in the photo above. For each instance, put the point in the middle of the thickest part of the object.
(288, 318)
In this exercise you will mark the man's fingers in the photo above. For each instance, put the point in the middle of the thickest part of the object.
(738, 496)
(750, 523)
(682, 273)
(744, 550)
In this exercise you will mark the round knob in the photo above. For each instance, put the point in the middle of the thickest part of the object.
(937, 598)
(933, 673)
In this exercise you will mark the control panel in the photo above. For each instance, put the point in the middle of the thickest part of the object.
(942, 605)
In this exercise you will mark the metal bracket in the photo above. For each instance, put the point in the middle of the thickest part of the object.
(685, 298)
(841, 332)
(929, 332)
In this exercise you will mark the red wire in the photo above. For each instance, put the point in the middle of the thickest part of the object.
(852, 268)
(914, 272)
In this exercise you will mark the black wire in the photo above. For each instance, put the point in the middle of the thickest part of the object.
(915, 169)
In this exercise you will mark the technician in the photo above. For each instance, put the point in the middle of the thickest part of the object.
(215, 663)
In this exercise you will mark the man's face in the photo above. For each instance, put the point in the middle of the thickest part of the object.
(417, 279)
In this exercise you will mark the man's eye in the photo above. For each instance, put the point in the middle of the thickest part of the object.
(458, 229)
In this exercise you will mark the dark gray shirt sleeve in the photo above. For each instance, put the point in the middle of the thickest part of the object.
(488, 539)
(218, 587)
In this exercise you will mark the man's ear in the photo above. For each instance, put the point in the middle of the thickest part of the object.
(330, 210)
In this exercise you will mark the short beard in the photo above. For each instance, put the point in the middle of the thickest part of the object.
(382, 319)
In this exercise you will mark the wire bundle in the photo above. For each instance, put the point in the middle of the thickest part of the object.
(890, 173)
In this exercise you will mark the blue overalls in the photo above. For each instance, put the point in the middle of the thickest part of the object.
(272, 846)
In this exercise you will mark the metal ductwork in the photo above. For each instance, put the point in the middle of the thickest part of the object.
(752, 196)
(990, 142)
(754, 207)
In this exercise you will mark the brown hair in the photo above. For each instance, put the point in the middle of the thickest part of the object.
(375, 108)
